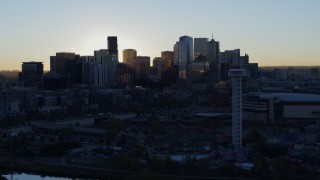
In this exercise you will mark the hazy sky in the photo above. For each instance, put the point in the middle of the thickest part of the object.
(272, 32)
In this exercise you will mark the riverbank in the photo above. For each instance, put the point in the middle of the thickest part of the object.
(62, 171)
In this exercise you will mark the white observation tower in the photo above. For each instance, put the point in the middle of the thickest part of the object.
(236, 74)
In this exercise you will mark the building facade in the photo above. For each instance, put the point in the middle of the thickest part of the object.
(185, 56)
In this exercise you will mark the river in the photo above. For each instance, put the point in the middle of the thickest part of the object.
(23, 176)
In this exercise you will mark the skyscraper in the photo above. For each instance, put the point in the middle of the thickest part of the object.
(104, 58)
(53, 64)
(176, 53)
(141, 66)
(30, 72)
(185, 56)
(125, 74)
(129, 55)
(159, 65)
(227, 59)
(65, 67)
(213, 57)
(113, 45)
(61, 60)
(200, 46)
(168, 58)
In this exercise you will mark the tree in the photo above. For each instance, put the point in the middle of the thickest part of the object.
(115, 125)
(155, 125)
(262, 167)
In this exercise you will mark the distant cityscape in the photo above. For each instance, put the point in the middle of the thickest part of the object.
(175, 118)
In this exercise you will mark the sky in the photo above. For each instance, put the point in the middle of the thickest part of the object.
(271, 32)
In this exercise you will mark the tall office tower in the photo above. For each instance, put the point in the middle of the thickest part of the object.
(86, 59)
(176, 53)
(200, 46)
(88, 73)
(53, 64)
(227, 59)
(185, 56)
(168, 58)
(141, 66)
(129, 55)
(62, 59)
(125, 74)
(236, 75)
(253, 72)
(100, 75)
(103, 57)
(31, 71)
(84, 69)
(159, 65)
(113, 45)
(213, 57)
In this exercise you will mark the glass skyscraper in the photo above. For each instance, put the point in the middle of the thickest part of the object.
(185, 55)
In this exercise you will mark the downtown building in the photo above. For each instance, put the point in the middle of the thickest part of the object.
(185, 56)
(213, 58)
(200, 47)
(110, 61)
(31, 74)
(141, 67)
(128, 56)
(113, 45)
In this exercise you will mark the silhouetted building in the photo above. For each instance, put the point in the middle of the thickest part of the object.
(125, 74)
(141, 66)
(213, 57)
(113, 45)
(176, 54)
(53, 64)
(185, 56)
(61, 60)
(100, 75)
(31, 72)
(227, 60)
(253, 71)
(314, 73)
(168, 58)
(104, 58)
(200, 46)
(198, 71)
(280, 74)
(290, 73)
(87, 66)
(159, 67)
(88, 73)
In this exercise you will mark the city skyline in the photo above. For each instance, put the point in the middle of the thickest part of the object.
(272, 33)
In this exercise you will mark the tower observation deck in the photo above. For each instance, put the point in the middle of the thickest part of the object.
(237, 75)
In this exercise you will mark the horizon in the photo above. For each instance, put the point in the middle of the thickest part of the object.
(272, 33)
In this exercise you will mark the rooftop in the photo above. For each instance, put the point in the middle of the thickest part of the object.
(293, 97)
